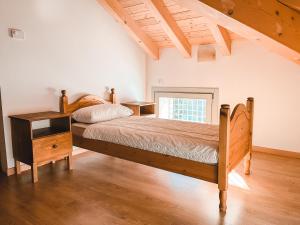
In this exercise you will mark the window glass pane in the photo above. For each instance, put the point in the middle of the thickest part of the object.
(186, 109)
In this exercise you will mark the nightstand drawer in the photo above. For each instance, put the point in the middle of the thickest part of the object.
(48, 148)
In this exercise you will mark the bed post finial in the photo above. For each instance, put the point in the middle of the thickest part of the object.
(247, 161)
(251, 99)
(63, 102)
(113, 96)
(225, 106)
(223, 165)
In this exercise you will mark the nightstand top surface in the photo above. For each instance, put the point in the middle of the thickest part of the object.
(40, 116)
(139, 103)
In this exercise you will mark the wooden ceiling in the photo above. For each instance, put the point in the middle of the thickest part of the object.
(193, 24)
(156, 24)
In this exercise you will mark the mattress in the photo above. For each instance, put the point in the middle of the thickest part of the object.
(78, 128)
(192, 141)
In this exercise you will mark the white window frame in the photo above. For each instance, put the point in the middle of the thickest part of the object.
(190, 92)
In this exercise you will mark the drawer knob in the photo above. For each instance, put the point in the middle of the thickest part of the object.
(54, 146)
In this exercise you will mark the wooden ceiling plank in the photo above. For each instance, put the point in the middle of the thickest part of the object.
(222, 38)
(269, 23)
(129, 3)
(116, 10)
(170, 26)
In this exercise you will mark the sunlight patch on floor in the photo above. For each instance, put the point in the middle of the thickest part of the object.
(237, 180)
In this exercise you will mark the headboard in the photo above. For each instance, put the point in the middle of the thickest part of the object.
(84, 101)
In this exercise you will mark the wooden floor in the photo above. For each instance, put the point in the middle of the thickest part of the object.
(106, 190)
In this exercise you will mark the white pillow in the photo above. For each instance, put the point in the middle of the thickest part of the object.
(102, 112)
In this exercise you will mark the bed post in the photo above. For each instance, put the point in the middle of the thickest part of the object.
(247, 160)
(112, 96)
(223, 166)
(63, 102)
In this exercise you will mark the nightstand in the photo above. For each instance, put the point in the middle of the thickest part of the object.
(36, 147)
(141, 108)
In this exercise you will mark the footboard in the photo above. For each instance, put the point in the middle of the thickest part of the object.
(235, 143)
(241, 124)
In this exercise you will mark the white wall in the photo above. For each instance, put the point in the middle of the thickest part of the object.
(251, 70)
(70, 44)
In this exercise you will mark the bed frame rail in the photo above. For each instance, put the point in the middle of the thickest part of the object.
(166, 162)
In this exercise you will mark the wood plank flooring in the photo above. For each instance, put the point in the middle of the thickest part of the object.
(102, 190)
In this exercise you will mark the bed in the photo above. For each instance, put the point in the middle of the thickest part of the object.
(215, 150)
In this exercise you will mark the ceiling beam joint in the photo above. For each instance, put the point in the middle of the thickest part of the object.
(170, 27)
(221, 37)
(119, 13)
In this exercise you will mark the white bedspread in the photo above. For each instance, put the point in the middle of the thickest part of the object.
(193, 141)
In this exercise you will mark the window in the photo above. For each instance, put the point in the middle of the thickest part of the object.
(186, 104)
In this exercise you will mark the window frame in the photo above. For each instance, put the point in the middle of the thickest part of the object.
(192, 91)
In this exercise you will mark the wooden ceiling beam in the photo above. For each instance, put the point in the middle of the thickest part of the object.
(293, 4)
(221, 37)
(270, 23)
(169, 25)
(116, 10)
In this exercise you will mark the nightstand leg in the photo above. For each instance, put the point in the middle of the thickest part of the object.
(70, 161)
(18, 167)
(34, 172)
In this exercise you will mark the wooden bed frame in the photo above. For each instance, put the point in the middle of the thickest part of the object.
(235, 144)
